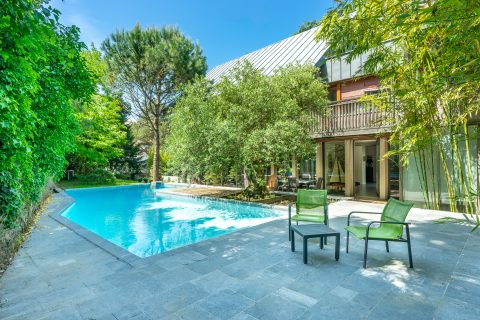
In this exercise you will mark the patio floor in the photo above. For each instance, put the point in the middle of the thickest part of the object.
(249, 274)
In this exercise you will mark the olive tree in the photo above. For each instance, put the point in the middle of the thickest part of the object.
(245, 122)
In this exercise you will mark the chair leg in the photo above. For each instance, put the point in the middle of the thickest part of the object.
(289, 230)
(386, 246)
(348, 237)
(325, 239)
(365, 254)
(409, 247)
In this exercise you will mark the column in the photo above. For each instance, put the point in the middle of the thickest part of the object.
(383, 169)
(338, 95)
(319, 161)
(273, 182)
(349, 177)
(294, 167)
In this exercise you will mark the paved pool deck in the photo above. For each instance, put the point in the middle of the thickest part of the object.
(248, 274)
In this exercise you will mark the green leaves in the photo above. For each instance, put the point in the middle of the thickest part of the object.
(248, 120)
(426, 55)
(151, 66)
(41, 72)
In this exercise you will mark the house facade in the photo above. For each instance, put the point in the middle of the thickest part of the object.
(351, 140)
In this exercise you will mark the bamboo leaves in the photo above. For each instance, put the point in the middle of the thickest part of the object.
(427, 56)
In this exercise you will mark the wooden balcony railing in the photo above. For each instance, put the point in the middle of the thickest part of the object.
(347, 118)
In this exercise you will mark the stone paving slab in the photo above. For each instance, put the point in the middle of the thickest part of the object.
(63, 273)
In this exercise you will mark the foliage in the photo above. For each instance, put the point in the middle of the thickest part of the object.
(142, 134)
(307, 25)
(41, 72)
(98, 176)
(102, 133)
(78, 183)
(151, 66)
(130, 162)
(427, 56)
(244, 123)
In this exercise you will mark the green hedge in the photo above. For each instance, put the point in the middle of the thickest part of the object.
(41, 73)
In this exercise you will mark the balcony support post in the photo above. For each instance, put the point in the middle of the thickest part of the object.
(319, 160)
(383, 167)
(273, 182)
(294, 167)
(349, 177)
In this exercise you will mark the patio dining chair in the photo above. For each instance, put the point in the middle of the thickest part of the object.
(282, 183)
(310, 206)
(318, 184)
(390, 227)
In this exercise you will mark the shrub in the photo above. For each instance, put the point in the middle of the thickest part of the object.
(41, 73)
(98, 176)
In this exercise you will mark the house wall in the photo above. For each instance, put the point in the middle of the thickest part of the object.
(353, 88)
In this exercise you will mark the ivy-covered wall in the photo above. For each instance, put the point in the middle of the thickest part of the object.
(41, 73)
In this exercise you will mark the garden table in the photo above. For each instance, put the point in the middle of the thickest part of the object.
(307, 231)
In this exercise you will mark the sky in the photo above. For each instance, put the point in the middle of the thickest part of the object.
(224, 29)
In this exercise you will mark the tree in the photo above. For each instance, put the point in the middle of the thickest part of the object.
(102, 132)
(245, 122)
(307, 25)
(151, 66)
(41, 73)
(427, 56)
(130, 162)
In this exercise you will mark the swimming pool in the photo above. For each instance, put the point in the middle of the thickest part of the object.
(147, 223)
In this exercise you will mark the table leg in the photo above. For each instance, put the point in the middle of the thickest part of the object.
(337, 247)
(292, 242)
(305, 254)
(321, 242)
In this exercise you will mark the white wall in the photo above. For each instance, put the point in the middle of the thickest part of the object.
(359, 159)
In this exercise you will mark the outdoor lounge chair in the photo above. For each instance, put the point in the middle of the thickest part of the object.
(391, 225)
(292, 184)
(311, 206)
(318, 184)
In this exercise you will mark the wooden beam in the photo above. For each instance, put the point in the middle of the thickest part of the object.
(349, 176)
(339, 92)
(273, 182)
(351, 134)
(383, 169)
(294, 167)
(319, 161)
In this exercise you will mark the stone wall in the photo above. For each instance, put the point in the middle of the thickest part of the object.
(12, 239)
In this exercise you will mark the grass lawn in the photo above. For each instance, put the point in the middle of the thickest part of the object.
(73, 184)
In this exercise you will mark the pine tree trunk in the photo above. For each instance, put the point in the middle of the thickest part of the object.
(156, 152)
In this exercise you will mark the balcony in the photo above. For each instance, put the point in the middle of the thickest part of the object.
(348, 118)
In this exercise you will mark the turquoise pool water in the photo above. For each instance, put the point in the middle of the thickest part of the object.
(146, 223)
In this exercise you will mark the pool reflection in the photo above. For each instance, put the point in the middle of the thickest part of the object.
(146, 224)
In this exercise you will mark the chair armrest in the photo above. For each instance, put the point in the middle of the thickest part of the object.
(352, 212)
(406, 224)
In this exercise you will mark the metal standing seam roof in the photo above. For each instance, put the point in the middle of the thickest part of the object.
(301, 48)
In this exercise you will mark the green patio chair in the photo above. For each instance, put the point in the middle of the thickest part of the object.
(390, 227)
(311, 206)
